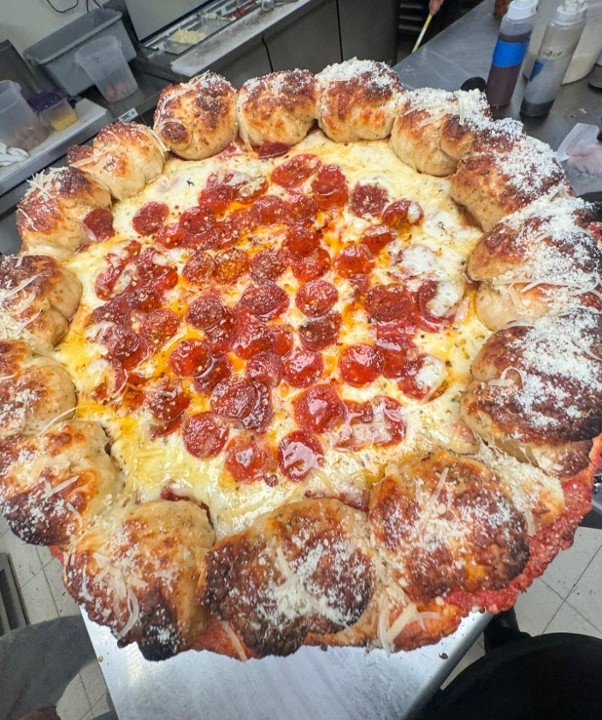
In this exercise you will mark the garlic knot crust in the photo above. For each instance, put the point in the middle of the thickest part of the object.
(51, 215)
(492, 183)
(136, 571)
(124, 157)
(535, 261)
(358, 100)
(197, 119)
(34, 391)
(538, 389)
(54, 483)
(306, 568)
(433, 129)
(304, 390)
(277, 108)
(37, 299)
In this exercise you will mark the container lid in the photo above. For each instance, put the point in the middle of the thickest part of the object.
(521, 9)
(573, 11)
(44, 101)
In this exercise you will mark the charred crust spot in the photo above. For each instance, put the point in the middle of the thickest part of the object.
(449, 527)
(301, 577)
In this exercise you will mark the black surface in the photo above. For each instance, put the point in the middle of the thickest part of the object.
(551, 677)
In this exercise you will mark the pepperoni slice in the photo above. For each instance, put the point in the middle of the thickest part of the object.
(219, 369)
(254, 337)
(158, 326)
(360, 364)
(106, 280)
(98, 224)
(408, 382)
(161, 277)
(249, 189)
(301, 241)
(249, 459)
(319, 333)
(223, 335)
(379, 423)
(124, 346)
(150, 218)
(354, 260)
(216, 198)
(269, 210)
(299, 453)
(167, 401)
(389, 303)
(172, 235)
(302, 368)
(133, 395)
(397, 350)
(282, 339)
(313, 266)
(316, 297)
(265, 300)
(233, 397)
(318, 409)
(206, 240)
(232, 227)
(230, 265)
(197, 220)
(116, 310)
(429, 321)
(368, 199)
(199, 268)
(190, 357)
(402, 215)
(376, 237)
(206, 312)
(270, 149)
(302, 210)
(268, 265)
(293, 172)
(258, 418)
(330, 187)
(265, 366)
(143, 297)
(204, 435)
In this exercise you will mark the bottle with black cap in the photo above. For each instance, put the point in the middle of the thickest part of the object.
(510, 50)
(560, 39)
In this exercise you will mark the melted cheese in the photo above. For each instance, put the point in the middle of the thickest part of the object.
(436, 249)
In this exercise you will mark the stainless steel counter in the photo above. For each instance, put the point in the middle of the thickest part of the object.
(312, 684)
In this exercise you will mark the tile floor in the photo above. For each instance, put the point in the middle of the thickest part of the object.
(567, 598)
(39, 579)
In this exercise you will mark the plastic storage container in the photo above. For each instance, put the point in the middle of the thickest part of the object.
(104, 62)
(19, 125)
(56, 52)
(54, 109)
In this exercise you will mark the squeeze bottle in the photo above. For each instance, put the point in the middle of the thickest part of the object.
(560, 39)
(509, 51)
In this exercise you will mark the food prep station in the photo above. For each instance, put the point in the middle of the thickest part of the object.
(243, 38)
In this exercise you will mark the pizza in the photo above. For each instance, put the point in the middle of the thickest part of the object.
(317, 361)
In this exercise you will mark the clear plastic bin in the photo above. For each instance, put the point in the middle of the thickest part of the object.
(19, 125)
(56, 52)
(105, 64)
